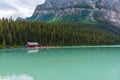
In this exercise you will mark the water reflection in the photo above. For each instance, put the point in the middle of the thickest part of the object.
(80, 63)
(30, 51)
(16, 77)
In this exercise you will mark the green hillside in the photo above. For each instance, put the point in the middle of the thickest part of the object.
(14, 33)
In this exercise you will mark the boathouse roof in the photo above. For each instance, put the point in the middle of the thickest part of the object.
(32, 43)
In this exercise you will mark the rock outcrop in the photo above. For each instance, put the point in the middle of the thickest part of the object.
(78, 11)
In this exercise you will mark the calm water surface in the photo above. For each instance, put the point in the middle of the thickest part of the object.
(72, 63)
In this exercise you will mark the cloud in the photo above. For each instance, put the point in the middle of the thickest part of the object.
(5, 6)
(7, 13)
(18, 8)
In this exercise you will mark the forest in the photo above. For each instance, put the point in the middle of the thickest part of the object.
(18, 33)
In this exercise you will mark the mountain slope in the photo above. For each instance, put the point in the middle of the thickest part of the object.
(78, 11)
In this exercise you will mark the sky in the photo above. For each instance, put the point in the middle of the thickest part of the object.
(18, 8)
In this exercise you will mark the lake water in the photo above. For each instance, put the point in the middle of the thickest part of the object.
(68, 63)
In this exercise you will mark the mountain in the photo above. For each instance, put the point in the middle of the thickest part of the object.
(78, 11)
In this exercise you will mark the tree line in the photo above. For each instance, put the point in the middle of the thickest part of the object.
(18, 33)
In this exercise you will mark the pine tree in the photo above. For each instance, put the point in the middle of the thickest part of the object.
(4, 44)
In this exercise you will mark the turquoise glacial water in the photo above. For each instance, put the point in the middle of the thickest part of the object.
(67, 63)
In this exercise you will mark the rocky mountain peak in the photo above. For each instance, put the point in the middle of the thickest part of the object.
(78, 10)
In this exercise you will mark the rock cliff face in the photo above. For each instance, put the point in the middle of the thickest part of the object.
(78, 11)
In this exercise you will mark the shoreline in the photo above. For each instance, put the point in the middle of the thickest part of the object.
(48, 47)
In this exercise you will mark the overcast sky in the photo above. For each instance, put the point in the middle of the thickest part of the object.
(18, 8)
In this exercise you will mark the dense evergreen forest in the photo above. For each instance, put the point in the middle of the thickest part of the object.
(17, 33)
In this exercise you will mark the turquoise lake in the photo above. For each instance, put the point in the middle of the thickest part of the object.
(66, 63)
